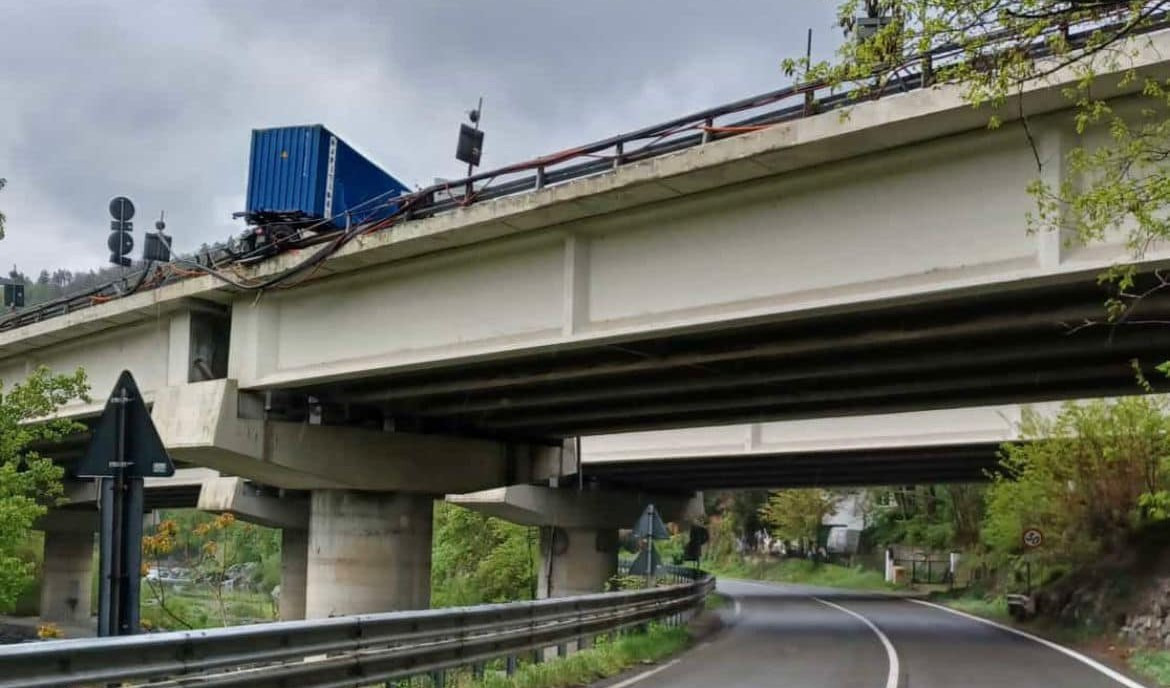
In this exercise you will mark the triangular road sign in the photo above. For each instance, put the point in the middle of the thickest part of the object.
(125, 416)
(646, 562)
(650, 524)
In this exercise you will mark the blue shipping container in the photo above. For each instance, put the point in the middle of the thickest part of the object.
(309, 173)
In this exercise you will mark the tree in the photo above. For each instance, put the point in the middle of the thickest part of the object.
(30, 483)
(797, 515)
(992, 50)
(479, 559)
(211, 550)
(938, 517)
(1087, 479)
(3, 219)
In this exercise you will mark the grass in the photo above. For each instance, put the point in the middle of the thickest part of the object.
(196, 606)
(804, 572)
(994, 607)
(1153, 664)
(607, 658)
(714, 601)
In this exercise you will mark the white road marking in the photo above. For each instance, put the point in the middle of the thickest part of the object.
(645, 674)
(891, 654)
(1123, 680)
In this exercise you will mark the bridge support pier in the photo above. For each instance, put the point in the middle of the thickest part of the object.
(67, 576)
(294, 567)
(367, 552)
(575, 561)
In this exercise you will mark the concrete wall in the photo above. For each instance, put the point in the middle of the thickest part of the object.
(144, 348)
(159, 352)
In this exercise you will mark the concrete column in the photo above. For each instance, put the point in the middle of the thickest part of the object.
(294, 564)
(368, 552)
(575, 561)
(67, 576)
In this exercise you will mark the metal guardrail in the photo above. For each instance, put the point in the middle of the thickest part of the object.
(670, 574)
(342, 651)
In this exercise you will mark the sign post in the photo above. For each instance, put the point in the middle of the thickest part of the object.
(648, 529)
(124, 450)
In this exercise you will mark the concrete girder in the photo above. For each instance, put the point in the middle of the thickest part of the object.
(85, 491)
(200, 423)
(906, 364)
(572, 509)
(69, 521)
(865, 340)
(1107, 378)
(246, 501)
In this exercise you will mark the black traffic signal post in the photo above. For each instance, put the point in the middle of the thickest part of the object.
(121, 243)
(124, 450)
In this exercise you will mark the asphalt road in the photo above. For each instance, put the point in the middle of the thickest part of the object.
(804, 637)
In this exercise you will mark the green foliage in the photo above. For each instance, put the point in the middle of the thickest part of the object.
(1113, 181)
(194, 607)
(937, 517)
(797, 515)
(618, 582)
(608, 658)
(479, 559)
(29, 482)
(800, 571)
(987, 606)
(1086, 478)
(1155, 664)
(209, 547)
(47, 286)
(240, 542)
(736, 518)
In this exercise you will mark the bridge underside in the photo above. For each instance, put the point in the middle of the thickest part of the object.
(853, 468)
(1029, 342)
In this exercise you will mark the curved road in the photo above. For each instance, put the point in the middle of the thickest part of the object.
(804, 637)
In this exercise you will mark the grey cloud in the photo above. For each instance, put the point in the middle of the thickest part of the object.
(156, 99)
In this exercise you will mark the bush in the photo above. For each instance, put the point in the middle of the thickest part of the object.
(1086, 478)
(480, 559)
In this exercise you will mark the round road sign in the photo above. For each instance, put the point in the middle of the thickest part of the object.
(1033, 538)
(121, 208)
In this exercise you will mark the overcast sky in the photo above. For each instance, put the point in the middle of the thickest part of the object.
(156, 99)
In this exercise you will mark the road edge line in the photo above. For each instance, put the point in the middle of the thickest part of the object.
(1088, 661)
(646, 674)
(891, 653)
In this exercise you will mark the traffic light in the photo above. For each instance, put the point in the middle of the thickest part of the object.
(120, 242)
(14, 295)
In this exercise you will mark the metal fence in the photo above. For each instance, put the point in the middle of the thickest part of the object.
(344, 651)
(664, 574)
(927, 571)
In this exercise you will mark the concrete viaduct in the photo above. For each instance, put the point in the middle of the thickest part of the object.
(823, 267)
